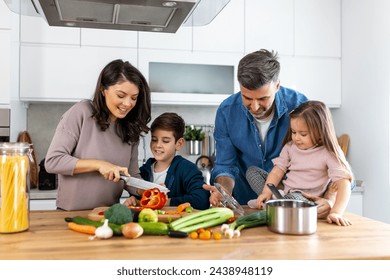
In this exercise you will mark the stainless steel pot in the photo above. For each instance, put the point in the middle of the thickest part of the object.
(289, 216)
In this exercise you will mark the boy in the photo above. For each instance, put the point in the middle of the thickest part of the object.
(179, 175)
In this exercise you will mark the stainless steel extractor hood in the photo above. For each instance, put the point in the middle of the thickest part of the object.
(136, 15)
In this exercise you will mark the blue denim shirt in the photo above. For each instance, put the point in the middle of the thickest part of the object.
(238, 143)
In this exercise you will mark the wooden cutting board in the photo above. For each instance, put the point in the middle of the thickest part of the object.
(97, 214)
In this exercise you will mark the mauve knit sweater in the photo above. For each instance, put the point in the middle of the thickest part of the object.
(78, 136)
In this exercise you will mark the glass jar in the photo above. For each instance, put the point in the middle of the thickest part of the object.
(14, 187)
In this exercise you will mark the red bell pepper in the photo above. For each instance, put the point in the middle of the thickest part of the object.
(153, 199)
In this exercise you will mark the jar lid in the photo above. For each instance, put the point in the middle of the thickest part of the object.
(15, 147)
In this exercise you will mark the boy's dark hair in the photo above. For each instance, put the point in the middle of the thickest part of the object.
(171, 122)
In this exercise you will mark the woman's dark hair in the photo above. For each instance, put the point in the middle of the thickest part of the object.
(130, 127)
(258, 69)
(170, 122)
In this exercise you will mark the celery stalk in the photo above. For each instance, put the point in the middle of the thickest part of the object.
(206, 218)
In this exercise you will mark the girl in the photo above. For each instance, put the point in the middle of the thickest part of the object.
(97, 139)
(311, 159)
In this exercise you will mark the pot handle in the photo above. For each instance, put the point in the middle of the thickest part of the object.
(275, 191)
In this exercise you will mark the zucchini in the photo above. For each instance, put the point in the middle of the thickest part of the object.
(157, 228)
(117, 229)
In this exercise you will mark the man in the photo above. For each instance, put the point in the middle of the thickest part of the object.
(250, 125)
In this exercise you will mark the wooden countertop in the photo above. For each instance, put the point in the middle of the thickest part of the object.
(49, 238)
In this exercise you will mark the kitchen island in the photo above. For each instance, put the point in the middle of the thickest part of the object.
(48, 238)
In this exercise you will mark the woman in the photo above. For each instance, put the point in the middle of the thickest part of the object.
(97, 140)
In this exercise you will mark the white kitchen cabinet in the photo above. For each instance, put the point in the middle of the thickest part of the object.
(269, 25)
(5, 18)
(317, 78)
(108, 38)
(65, 73)
(318, 28)
(43, 204)
(5, 66)
(36, 30)
(225, 33)
(181, 40)
(187, 57)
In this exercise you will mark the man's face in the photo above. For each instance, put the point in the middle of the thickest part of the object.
(260, 101)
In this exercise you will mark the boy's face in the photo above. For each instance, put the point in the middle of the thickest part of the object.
(163, 145)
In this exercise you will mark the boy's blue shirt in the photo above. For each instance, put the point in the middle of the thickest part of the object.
(238, 143)
(184, 181)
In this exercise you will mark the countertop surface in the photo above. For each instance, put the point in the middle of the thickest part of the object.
(49, 238)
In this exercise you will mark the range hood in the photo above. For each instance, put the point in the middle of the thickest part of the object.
(136, 15)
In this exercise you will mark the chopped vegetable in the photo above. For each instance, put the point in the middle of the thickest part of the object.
(182, 207)
(132, 230)
(189, 209)
(254, 219)
(119, 214)
(104, 231)
(153, 199)
(147, 215)
(88, 229)
(202, 219)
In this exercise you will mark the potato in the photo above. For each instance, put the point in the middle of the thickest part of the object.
(132, 230)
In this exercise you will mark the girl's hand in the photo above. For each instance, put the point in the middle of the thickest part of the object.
(131, 201)
(338, 219)
(261, 199)
(112, 172)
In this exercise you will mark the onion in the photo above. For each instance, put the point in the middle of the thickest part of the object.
(132, 230)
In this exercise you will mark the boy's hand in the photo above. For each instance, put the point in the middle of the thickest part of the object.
(131, 201)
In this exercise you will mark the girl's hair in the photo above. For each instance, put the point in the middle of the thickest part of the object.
(321, 129)
(135, 122)
(171, 122)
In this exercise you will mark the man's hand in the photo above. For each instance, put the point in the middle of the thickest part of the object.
(215, 196)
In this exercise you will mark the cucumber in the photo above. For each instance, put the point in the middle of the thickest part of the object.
(117, 229)
(157, 228)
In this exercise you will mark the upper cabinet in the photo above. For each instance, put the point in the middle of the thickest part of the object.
(181, 40)
(59, 63)
(225, 33)
(36, 30)
(318, 28)
(65, 73)
(269, 25)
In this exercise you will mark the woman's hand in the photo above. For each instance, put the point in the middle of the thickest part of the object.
(338, 219)
(112, 172)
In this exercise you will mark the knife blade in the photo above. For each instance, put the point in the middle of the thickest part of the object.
(138, 186)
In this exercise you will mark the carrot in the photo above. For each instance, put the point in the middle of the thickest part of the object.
(82, 228)
(180, 208)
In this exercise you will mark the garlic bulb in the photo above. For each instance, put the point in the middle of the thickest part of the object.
(104, 231)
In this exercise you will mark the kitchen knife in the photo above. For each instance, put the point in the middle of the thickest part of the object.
(138, 186)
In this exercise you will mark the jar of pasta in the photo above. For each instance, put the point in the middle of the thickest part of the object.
(14, 187)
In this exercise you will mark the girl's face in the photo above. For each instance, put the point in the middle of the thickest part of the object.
(120, 99)
(163, 145)
(301, 134)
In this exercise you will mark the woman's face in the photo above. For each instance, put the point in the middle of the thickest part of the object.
(301, 134)
(120, 99)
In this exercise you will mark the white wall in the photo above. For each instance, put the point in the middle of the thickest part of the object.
(364, 114)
